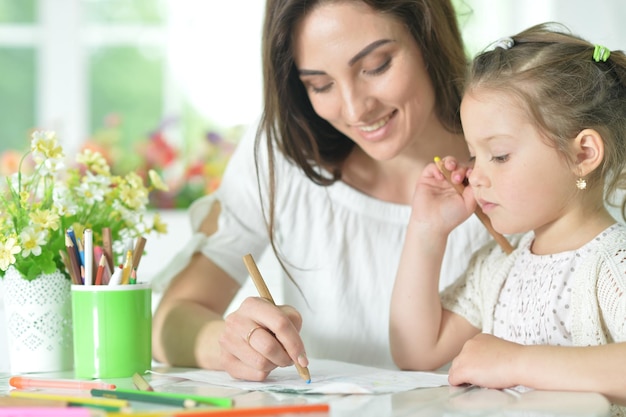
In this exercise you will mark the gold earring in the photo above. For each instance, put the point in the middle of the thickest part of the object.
(581, 183)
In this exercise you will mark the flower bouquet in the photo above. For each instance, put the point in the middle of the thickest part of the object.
(43, 204)
(44, 199)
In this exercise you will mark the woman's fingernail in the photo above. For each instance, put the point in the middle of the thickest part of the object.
(303, 360)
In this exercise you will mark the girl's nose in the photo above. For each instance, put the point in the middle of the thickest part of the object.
(475, 177)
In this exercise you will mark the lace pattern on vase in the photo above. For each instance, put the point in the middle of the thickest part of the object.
(39, 322)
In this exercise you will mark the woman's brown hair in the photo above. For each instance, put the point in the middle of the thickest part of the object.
(289, 123)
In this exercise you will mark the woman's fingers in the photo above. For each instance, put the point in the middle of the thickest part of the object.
(252, 340)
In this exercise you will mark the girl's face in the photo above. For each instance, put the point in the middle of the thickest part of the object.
(518, 180)
(364, 74)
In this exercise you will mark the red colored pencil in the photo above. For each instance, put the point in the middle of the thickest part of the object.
(100, 270)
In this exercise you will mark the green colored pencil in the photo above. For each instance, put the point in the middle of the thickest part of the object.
(224, 402)
(144, 396)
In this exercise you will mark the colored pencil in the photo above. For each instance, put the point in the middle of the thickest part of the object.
(107, 247)
(73, 400)
(504, 244)
(145, 396)
(264, 292)
(200, 399)
(88, 255)
(49, 412)
(127, 266)
(258, 411)
(100, 271)
(74, 264)
(138, 251)
(141, 383)
(22, 382)
(6, 401)
(116, 277)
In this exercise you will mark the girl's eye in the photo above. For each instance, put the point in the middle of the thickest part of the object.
(500, 158)
(472, 159)
(379, 70)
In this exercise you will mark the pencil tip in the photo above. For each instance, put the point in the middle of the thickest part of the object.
(308, 381)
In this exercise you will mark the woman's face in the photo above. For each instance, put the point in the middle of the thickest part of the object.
(365, 75)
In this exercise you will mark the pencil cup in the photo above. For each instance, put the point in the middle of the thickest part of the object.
(112, 330)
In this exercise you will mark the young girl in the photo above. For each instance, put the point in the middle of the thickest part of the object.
(544, 116)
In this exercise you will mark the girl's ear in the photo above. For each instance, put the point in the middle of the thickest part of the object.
(589, 151)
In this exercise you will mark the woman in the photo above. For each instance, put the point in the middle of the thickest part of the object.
(359, 98)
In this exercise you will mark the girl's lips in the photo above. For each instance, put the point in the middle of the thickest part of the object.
(486, 206)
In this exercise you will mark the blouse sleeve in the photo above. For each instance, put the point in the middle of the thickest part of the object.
(241, 226)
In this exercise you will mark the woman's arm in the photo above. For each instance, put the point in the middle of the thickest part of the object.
(189, 328)
(491, 362)
(188, 320)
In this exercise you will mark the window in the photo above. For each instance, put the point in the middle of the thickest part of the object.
(173, 78)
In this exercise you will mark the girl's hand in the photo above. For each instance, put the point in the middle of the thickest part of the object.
(437, 203)
(486, 361)
(258, 337)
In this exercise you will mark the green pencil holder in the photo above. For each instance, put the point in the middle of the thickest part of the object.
(112, 330)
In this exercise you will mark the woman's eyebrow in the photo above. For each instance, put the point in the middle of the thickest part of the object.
(368, 49)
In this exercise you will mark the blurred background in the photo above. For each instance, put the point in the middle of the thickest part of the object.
(172, 84)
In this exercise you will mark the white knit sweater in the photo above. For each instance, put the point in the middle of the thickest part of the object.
(598, 297)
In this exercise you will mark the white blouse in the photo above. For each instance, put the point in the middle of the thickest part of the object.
(342, 247)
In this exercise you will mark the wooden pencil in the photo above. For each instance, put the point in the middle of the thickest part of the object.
(100, 270)
(138, 251)
(502, 241)
(107, 247)
(74, 263)
(141, 383)
(264, 292)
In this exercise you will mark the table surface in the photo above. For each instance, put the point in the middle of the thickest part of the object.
(441, 401)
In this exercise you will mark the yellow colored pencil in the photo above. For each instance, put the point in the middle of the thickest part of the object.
(110, 402)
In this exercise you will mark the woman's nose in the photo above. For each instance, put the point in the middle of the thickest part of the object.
(354, 105)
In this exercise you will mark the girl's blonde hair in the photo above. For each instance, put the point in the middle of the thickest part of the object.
(565, 90)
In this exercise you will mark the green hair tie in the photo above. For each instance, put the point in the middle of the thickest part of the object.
(600, 53)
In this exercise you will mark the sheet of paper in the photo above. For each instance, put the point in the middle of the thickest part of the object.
(327, 377)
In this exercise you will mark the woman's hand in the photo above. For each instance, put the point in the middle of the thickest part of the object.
(258, 337)
(486, 361)
(437, 203)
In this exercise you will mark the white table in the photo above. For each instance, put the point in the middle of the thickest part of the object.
(442, 401)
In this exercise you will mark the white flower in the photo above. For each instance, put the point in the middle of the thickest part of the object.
(32, 240)
(8, 250)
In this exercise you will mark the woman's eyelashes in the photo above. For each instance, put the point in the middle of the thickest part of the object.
(323, 88)
(380, 69)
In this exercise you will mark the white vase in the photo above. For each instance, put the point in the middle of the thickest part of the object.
(38, 322)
